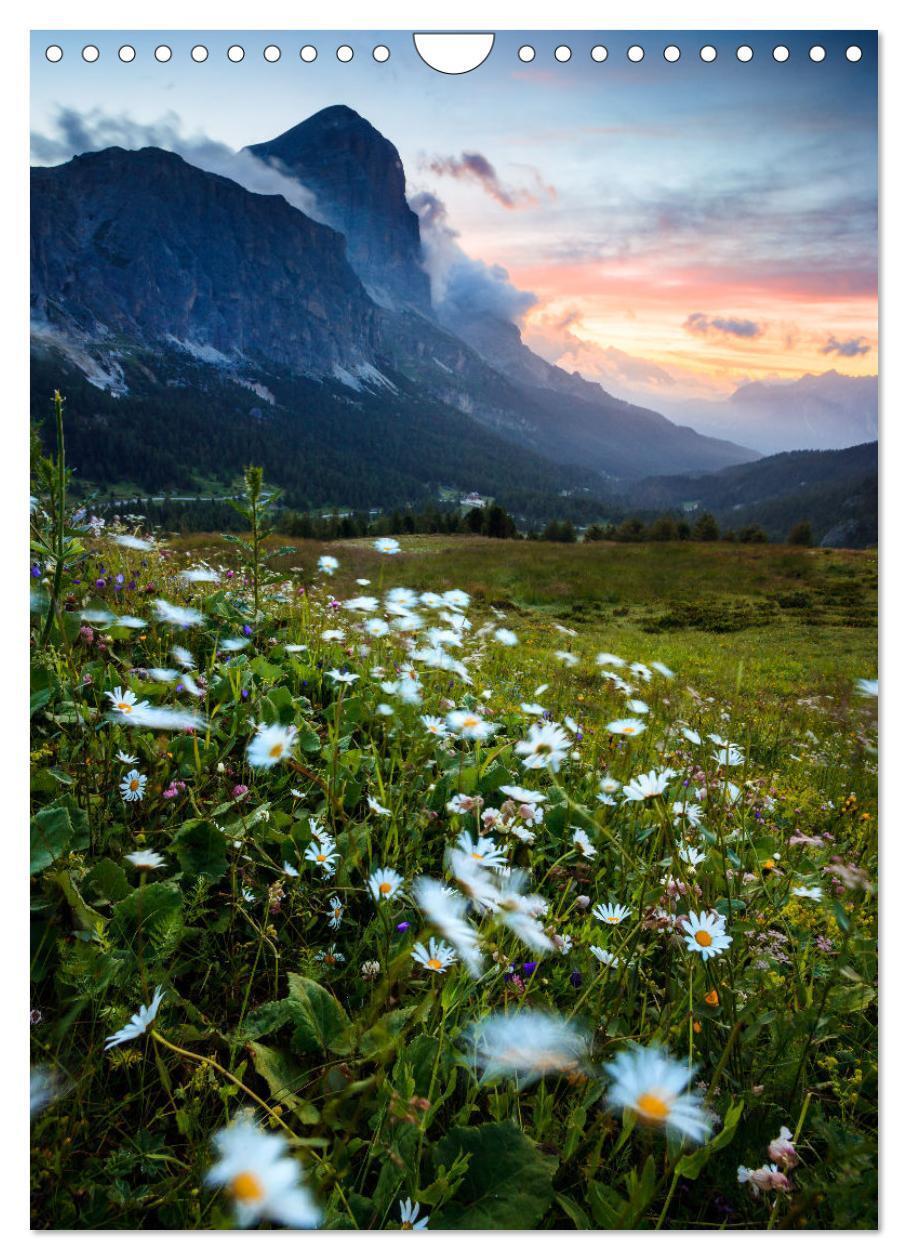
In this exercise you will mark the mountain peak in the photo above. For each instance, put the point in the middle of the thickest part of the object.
(358, 178)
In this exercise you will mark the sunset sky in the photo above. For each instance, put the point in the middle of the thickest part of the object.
(666, 228)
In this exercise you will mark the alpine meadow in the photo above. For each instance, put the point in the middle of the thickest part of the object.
(453, 726)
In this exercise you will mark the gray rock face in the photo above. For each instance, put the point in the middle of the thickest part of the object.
(140, 245)
(358, 178)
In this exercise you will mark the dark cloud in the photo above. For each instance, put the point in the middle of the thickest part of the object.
(475, 167)
(463, 287)
(850, 349)
(75, 133)
(704, 326)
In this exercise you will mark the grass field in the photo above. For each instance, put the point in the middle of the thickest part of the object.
(449, 909)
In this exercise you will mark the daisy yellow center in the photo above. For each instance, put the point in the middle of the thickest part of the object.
(471, 721)
(247, 1188)
(434, 963)
(134, 784)
(703, 937)
(406, 1225)
(652, 1107)
(320, 857)
(611, 918)
(384, 888)
(477, 856)
(276, 750)
(124, 707)
(544, 748)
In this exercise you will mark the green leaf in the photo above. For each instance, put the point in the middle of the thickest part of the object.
(57, 830)
(107, 881)
(319, 1020)
(201, 849)
(87, 918)
(283, 1074)
(146, 909)
(607, 1206)
(508, 1184)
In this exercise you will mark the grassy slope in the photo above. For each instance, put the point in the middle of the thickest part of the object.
(820, 637)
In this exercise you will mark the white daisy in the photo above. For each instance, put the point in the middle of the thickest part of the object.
(627, 727)
(437, 956)
(385, 883)
(524, 796)
(609, 658)
(582, 841)
(651, 1084)
(469, 725)
(341, 676)
(386, 546)
(690, 734)
(507, 638)
(138, 1024)
(706, 934)
(132, 787)
(327, 564)
(264, 1182)
(145, 859)
(271, 745)
(446, 910)
(527, 1045)
(409, 1216)
(176, 615)
(611, 912)
(377, 807)
(335, 912)
(482, 851)
(125, 702)
(606, 957)
(645, 786)
(323, 853)
(128, 759)
(545, 746)
(812, 893)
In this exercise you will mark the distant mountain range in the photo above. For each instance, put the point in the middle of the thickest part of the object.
(828, 410)
(835, 490)
(165, 290)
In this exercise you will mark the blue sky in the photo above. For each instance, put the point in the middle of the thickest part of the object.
(686, 226)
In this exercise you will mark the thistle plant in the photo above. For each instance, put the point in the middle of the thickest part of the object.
(51, 539)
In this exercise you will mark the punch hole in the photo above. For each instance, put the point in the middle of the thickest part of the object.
(562, 53)
(126, 53)
(817, 53)
(381, 52)
(853, 53)
(599, 52)
(780, 53)
(450, 53)
(272, 53)
(162, 53)
(90, 53)
(708, 53)
(526, 52)
(236, 52)
(635, 53)
(199, 53)
(745, 53)
(672, 53)
(345, 53)
(53, 53)
(308, 53)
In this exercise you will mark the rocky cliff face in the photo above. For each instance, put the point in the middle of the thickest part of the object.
(142, 246)
(358, 178)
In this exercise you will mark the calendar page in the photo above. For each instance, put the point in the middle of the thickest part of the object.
(453, 628)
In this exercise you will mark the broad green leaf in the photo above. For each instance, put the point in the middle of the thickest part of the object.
(200, 848)
(57, 830)
(145, 909)
(283, 1074)
(319, 1020)
(107, 880)
(508, 1184)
